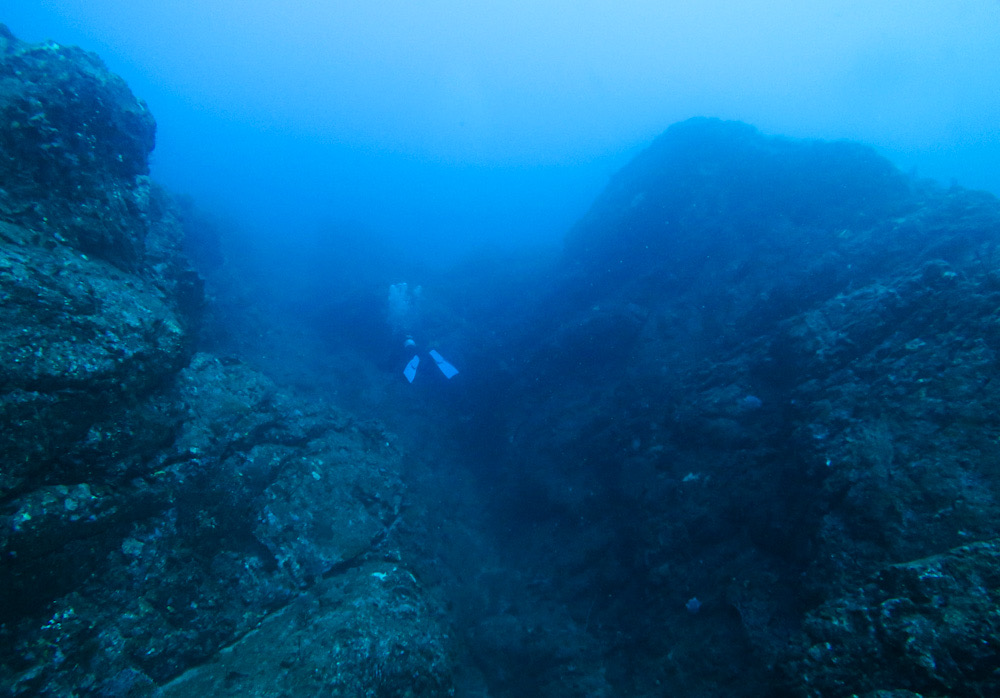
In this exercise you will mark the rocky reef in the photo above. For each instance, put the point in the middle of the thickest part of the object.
(765, 379)
(741, 439)
(157, 503)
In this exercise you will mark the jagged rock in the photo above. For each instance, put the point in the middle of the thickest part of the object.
(253, 498)
(370, 632)
(707, 185)
(74, 144)
(155, 503)
(80, 338)
(763, 373)
(928, 627)
(97, 305)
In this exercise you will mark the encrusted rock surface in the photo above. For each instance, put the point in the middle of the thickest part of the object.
(764, 374)
(742, 440)
(156, 503)
(97, 306)
(365, 632)
(930, 626)
(74, 148)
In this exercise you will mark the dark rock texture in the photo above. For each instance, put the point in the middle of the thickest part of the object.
(253, 499)
(764, 375)
(98, 307)
(364, 633)
(74, 145)
(156, 503)
(741, 440)
(82, 340)
(930, 625)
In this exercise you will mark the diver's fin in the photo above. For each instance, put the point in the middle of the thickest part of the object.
(411, 368)
(446, 368)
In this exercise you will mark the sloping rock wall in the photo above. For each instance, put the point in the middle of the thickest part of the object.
(766, 375)
(75, 144)
(98, 306)
(157, 503)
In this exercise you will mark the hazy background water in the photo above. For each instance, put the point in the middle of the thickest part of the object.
(561, 481)
(442, 126)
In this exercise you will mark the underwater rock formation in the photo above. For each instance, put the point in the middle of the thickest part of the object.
(759, 385)
(74, 146)
(858, 307)
(98, 307)
(929, 625)
(157, 503)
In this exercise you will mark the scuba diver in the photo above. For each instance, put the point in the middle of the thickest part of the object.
(402, 317)
(411, 368)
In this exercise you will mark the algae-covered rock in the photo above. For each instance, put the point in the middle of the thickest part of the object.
(765, 371)
(367, 632)
(157, 503)
(80, 337)
(254, 498)
(98, 307)
(929, 626)
(74, 144)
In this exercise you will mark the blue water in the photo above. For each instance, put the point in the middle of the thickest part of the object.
(675, 382)
(446, 128)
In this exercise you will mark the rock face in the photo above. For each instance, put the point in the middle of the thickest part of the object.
(742, 441)
(929, 625)
(98, 307)
(75, 144)
(765, 378)
(157, 503)
(364, 633)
